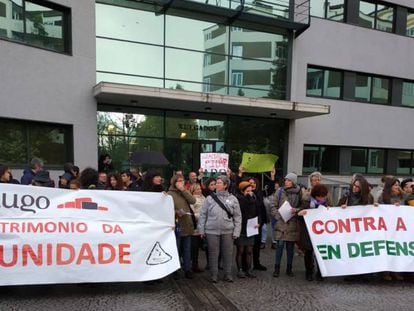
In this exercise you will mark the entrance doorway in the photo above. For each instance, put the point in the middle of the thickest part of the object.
(185, 154)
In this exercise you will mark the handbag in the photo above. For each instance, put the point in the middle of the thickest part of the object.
(221, 204)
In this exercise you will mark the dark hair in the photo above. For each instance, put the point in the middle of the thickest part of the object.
(88, 178)
(3, 170)
(126, 172)
(387, 192)
(319, 191)
(119, 185)
(405, 181)
(365, 192)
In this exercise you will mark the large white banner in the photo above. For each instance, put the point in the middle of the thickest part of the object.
(63, 236)
(362, 239)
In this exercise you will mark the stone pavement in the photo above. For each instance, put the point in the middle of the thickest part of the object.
(263, 293)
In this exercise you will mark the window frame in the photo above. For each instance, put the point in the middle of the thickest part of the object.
(376, 4)
(322, 82)
(66, 26)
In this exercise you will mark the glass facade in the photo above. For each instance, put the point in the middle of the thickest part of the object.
(37, 23)
(372, 89)
(188, 54)
(182, 136)
(320, 158)
(410, 24)
(22, 140)
(333, 9)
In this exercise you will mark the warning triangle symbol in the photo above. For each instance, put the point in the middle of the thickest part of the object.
(157, 255)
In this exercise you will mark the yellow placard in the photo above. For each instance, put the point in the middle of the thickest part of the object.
(258, 163)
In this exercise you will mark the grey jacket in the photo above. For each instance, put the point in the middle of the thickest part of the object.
(214, 220)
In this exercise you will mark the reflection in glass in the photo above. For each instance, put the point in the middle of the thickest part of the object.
(366, 14)
(410, 24)
(44, 27)
(404, 159)
(376, 161)
(314, 82)
(380, 90)
(363, 88)
(128, 24)
(128, 79)
(190, 128)
(333, 9)
(358, 160)
(332, 84)
(13, 143)
(126, 57)
(385, 18)
(408, 94)
(324, 159)
(34, 24)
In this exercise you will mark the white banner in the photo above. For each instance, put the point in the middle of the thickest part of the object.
(51, 235)
(214, 162)
(362, 239)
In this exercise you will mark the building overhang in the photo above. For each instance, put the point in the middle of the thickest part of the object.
(170, 99)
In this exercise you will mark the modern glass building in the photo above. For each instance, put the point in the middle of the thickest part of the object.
(325, 85)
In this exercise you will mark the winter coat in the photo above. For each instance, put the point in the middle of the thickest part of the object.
(287, 231)
(214, 220)
(249, 209)
(352, 199)
(27, 177)
(182, 201)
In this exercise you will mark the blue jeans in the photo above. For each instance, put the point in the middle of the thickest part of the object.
(184, 250)
(290, 247)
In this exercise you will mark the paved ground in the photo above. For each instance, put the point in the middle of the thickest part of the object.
(262, 293)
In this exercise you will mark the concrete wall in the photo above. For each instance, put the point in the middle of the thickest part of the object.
(46, 86)
(348, 47)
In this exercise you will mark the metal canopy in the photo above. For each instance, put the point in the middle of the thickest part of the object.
(170, 99)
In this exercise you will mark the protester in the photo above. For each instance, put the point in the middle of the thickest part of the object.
(102, 180)
(137, 177)
(105, 163)
(209, 187)
(286, 233)
(359, 194)
(152, 181)
(36, 165)
(74, 184)
(407, 185)
(196, 241)
(89, 178)
(114, 182)
(42, 179)
(249, 210)
(192, 179)
(185, 218)
(220, 222)
(318, 197)
(5, 174)
(129, 185)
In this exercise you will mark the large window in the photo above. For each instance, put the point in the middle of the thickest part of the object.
(38, 23)
(372, 89)
(330, 9)
(404, 162)
(410, 24)
(21, 141)
(320, 158)
(324, 82)
(376, 16)
(188, 54)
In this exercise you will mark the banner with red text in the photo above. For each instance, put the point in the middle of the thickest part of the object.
(52, 235)
(362, 239)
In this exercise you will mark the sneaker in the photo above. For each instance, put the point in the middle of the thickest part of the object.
(241, 274)
(276, 274)
(259, 267)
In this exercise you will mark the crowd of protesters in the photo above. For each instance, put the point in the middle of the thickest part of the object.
(212, 213)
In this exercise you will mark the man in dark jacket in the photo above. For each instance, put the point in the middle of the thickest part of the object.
(36, 165)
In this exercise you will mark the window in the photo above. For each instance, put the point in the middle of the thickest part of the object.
(410, 24)
(236, 78)
(404, 162)
(408, 94)
(237, 50)
(375, 90)
(376, 16)
(369, 161)
(333, 9)
(21, 141)
(2, 9)
(321, 158)
(37, 23)
(324, 82)
(207, 85)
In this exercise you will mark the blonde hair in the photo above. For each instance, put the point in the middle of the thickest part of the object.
(194, 187)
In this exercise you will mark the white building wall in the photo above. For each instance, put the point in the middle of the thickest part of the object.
(46, 86)
(339, 45)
